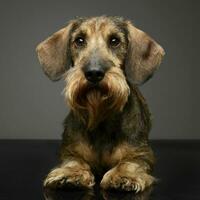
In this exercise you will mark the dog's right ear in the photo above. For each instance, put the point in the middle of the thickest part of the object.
(53, 53)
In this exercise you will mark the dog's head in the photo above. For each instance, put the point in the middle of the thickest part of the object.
(99, 57)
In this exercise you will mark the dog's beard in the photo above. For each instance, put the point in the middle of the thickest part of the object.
(93, 103)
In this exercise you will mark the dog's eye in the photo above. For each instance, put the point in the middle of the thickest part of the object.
(114, 41)
(79, 41)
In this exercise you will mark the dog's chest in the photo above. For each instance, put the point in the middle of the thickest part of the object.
(103, 147)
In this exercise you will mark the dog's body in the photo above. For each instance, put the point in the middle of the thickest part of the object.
(106, 131)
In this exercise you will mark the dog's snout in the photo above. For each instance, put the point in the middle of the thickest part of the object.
(94, 74)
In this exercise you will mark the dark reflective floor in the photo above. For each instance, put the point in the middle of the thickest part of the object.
(23, 165)
(96, 194)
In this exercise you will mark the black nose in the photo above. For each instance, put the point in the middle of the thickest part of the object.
(94, 75)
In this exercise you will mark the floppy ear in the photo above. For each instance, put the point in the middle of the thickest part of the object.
(143, 57)
(53, 53)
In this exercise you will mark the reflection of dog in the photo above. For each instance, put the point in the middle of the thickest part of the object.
(50, 194)
(103, 59)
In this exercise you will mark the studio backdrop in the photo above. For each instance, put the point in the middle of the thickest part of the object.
(32, 107)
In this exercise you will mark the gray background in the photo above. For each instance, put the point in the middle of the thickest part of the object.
(31, 106)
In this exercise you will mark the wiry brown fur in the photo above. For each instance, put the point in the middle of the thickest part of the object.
(91, 104)
(106, 131)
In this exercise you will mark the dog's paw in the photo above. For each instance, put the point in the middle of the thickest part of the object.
(63, 177)
(118, 180)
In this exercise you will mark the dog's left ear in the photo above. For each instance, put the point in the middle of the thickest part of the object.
(53, 53)
(143, 57)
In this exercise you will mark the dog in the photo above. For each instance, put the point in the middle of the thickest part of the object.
(103, 61)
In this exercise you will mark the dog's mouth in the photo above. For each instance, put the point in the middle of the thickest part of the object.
(96, 87)
(97, 92)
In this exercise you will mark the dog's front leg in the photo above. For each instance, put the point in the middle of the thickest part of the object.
(72, 172)
(132, 172)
